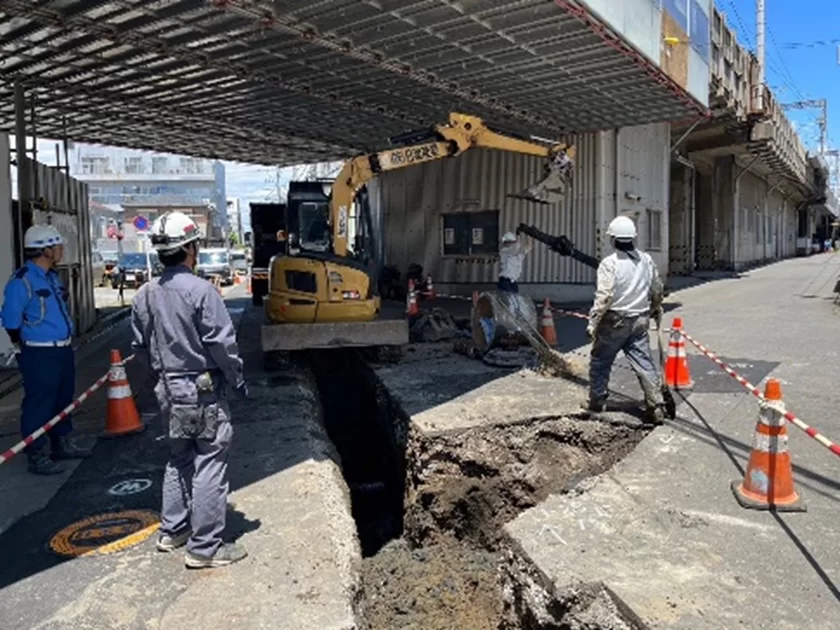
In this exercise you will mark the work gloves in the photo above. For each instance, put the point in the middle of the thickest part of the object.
(590, 331)
(241, 390)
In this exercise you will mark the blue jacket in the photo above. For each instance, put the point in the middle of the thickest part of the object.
(34, 302)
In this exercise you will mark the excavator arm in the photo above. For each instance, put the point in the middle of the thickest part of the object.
(560, 244)
(461, 133)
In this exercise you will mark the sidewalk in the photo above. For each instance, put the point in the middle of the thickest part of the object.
(663, 531)
(288, 505)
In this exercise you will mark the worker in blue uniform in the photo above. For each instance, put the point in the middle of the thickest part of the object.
(37, 319)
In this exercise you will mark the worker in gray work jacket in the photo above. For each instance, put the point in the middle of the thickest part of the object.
(629, 292)
(182, 328)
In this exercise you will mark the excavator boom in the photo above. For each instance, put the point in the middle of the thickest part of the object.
(461, 133)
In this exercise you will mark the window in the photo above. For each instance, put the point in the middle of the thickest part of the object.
(94, 165)
(133, 165)
(654, 229)
(470, 233)
(191, 166)
(160, 165)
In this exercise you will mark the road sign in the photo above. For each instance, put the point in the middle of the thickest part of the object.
(140, 222)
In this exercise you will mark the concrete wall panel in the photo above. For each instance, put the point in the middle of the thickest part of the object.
(638, 21)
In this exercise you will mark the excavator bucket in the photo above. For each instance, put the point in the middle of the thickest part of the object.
(552, 188)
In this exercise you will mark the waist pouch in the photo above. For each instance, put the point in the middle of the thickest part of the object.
(194, 414)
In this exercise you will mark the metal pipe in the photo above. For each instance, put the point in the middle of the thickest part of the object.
(22, 164)
(35, 188)
(685, 135)
(760, 51)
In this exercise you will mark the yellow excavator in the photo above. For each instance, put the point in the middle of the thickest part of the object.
(328, 274)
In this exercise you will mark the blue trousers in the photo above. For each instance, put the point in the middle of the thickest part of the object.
(506, 284)
(630, 335)
(49, 385)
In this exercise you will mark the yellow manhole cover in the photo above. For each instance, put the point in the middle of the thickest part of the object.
(105, 533)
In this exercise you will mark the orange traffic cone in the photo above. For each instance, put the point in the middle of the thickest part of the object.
(547, 330)
(430, 288)
(122, 418)
(768, 481)
(411, 300)
(676, 365)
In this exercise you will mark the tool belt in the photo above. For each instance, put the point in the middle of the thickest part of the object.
(195, 406)
(616, 319)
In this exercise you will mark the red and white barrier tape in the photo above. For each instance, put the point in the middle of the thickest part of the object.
(17, 448)
(755, 391)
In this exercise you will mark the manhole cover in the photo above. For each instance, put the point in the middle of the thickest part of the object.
(105, 533)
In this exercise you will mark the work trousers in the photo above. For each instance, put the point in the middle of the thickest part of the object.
(195, 487)
(49, 384)
(630, 335)
(508, 285)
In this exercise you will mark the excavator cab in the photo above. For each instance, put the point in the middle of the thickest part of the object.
(310, 283)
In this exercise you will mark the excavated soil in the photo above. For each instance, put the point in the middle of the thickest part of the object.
(430, 510)
(452, 568)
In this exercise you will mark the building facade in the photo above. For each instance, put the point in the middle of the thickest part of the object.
(129, 188)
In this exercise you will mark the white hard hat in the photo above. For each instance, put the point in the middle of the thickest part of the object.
(40, 236)
(509, 237)
(172, 231)
(622, 228)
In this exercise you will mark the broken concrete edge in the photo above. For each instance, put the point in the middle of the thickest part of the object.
(288, 337)
(340, 521)
(532, 595)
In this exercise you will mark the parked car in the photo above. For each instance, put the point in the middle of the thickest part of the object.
(135, 268)
(215, 262)
(239, 262)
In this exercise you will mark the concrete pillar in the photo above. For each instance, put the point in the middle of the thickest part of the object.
(725, 211)
(681, 220)
(705, 222)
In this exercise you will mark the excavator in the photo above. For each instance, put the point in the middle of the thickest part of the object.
(325, 284)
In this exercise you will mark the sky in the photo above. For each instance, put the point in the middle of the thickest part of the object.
(798, 67)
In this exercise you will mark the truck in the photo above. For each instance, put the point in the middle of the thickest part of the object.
(268, 238)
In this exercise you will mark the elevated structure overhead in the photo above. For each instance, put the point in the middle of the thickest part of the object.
(296, 81)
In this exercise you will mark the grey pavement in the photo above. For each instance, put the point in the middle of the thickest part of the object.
(663, 530)
(288, 506)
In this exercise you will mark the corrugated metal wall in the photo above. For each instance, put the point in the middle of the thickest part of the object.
(7, 240)
(67, 210)
(411, 202)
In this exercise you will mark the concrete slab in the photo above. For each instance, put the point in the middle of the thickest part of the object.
(289, 508)
(662, 529)
(288, 337)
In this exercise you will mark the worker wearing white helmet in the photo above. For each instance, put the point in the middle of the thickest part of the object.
(628, 293)
(37, 319)
(182, 329)
(512, 254)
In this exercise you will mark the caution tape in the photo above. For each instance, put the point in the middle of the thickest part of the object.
(61, 415)
(755, 391)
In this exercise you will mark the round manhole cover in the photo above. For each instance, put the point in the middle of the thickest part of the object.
(105, 533)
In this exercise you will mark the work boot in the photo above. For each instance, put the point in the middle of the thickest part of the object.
(227, 554)
(41, 464)
(64, 448)
(654, 416)
(171, 542)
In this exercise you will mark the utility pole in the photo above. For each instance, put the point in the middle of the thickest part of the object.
(760, 31)
(822, 121)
